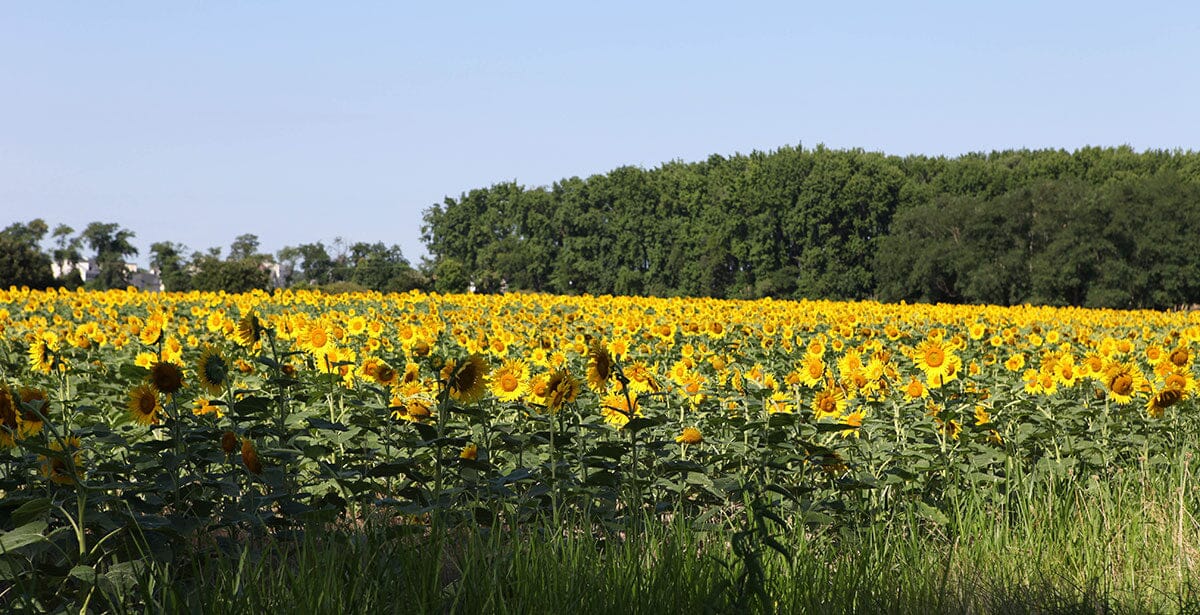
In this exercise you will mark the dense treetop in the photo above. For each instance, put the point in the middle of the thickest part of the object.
(1098, 227)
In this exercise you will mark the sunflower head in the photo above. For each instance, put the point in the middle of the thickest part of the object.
(600, 366)
(468, 380)
(229, 442)
(1162, 400)
(166, 377)
(34, 399)
(690, 435)
(250, 457)
(561, 388)
(144, 405)
(10, 418)
(249, 329)
(212, 370)
(56, 466)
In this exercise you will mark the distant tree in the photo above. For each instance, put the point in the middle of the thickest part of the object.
(381, 268)
(240, 276)
(111, 245)
(167, 259)
(246, 247)
(22, 262)
(66, 247)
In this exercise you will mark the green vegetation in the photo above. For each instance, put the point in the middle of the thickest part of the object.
(1096, 227)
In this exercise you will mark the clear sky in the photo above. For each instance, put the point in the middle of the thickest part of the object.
(194, 122)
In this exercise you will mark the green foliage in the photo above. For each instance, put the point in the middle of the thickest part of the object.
(111, 245)
(1098, 227)
(22, 262)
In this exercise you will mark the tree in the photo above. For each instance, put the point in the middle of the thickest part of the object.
(167, 259)
(22, 262)
(111, 244)
(381, 268)
(245, 247)
(214, 274)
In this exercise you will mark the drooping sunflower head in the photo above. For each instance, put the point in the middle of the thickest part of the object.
(600, 366)
(57, 468)
(468, 380)
(229, 442)
(144, 405)
(166, 377)
(213, 370)
(1162, 400)
(250, 457)
(32, 398)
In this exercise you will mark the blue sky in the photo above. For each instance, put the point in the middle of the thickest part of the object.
(194, 122)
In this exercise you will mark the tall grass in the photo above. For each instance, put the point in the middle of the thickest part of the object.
(1128, 545)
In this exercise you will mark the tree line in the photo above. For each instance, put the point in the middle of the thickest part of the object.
(339, 267)
(1097, 227)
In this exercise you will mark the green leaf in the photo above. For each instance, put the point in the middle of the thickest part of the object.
(87, 574)
(30, 511)
(27, 534)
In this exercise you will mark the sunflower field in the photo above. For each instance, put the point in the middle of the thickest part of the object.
(138, 430)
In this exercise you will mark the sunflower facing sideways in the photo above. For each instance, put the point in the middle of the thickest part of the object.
(468, 381)
(143, 405)
(600, 366)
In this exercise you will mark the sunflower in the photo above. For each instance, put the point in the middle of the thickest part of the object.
(42, 356)
(853, 423)
(1122, 380)
(166, 377)
(982, 417)
(938, 361)
(1161, 400)
(203, 406)
(468, 381)
(10, 418)
(249, 329)
(31, 422)
(143, 404)
(600, 366)
(213, 370)
(317, 339)
(690, 435)
(469, 451)
(616, 410)
(829, 403)
(229, 442)
(250, 457)
(509, 382)
(1180, 356)
(641, 379)
(951, 428)
(56, 467)
(151, 333)
(812, 370)
(561, 388)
